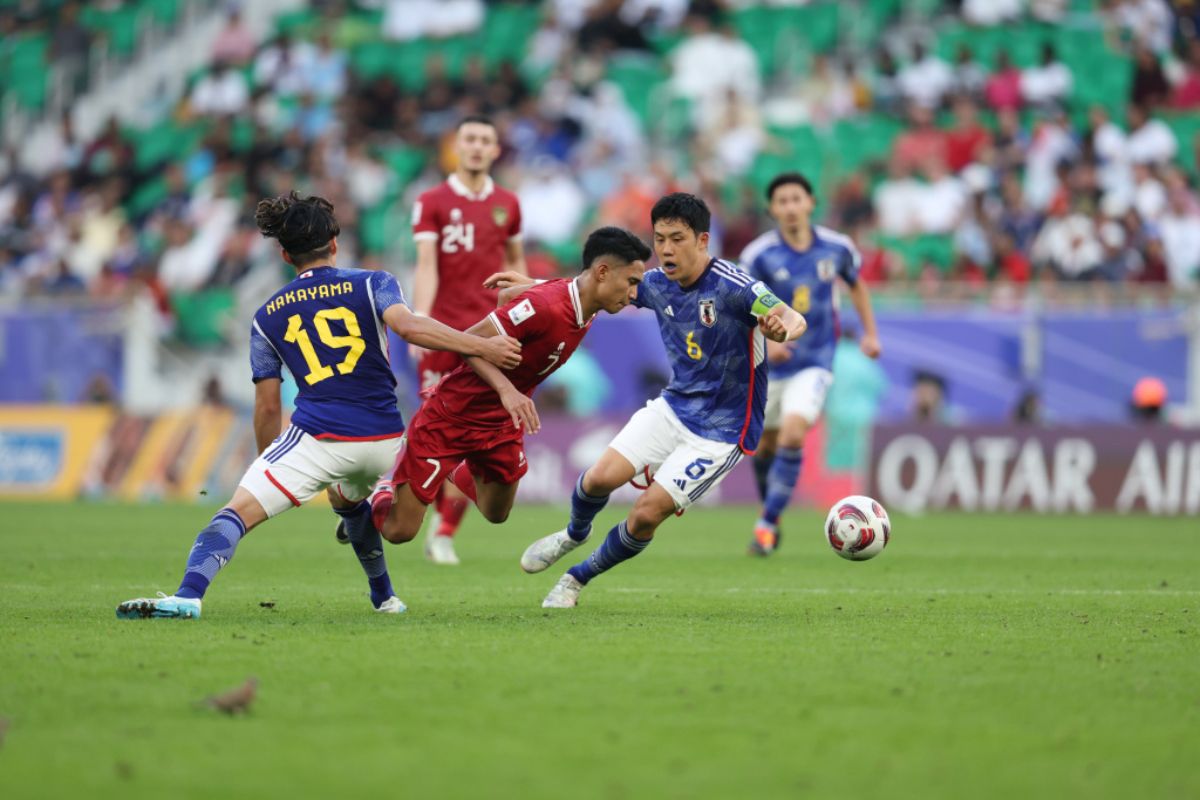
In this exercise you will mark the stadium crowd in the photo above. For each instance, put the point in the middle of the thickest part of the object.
(995, 172)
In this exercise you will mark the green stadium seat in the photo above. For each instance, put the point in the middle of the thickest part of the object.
(406, 162)
(201, 318)
(166, 141)
(506, 32)
(163, 12)
(372, 59)
(373, 227)
(860, 140)
(119, 26)
(298, 24)
(637, 77)
(920, 250)
(146, 197)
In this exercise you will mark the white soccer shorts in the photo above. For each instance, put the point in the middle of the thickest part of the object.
(295, 468)
(803, 394)
(686, 465)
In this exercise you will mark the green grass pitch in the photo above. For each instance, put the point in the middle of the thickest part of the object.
(979, 656)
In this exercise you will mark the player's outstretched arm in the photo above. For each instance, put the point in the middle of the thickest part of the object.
(861, 298)
(510, 283)
(503, 351)
(268, 412)
(520, 408)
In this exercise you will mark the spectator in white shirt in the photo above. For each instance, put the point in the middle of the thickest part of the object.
(990, 12)
(926, 80)
(896, 199)
(1150, 21)
(1150, 140)
(552, 204)
(709, 63)
(1051, 143)
(942, 202)
(283, 66)
(1070, 244)
(1111, 148)
(221, 92)
(1149, 195)
(1180, 230)
(1049, 83)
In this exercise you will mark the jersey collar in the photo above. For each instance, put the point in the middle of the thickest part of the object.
(460, 188)
(576, 303)
(696, 284)
(309, 272)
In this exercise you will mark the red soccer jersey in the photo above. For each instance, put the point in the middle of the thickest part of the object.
(548, 321)
(471, 232)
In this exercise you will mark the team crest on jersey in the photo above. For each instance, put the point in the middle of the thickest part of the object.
(826, 269)
(499, 215)
(708, 313)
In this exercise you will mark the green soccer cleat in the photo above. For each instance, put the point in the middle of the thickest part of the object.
(161, 607)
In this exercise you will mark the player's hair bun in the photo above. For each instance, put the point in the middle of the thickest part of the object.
(300, 224)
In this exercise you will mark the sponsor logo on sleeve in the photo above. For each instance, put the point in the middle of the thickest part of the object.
(521, 312)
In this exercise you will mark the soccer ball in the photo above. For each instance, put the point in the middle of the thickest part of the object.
(857, 528)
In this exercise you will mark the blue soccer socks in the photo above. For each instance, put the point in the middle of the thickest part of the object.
(368, 546)
(618, 546)
(785, 472)
(213, 549)
(584, 508)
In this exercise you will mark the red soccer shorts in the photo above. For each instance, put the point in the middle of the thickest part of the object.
(436, 444)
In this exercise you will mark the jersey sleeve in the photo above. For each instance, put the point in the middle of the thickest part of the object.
(514, 224)
(850, 264)
(264, 360)
(425, 218)
(386, 291)
(524, 316)
(646, 290)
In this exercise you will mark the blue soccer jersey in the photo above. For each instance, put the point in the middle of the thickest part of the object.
(718, 383)
(806, 280)
(327, 327)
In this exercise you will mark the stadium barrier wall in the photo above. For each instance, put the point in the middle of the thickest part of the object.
(199, 454)
(1149, 468)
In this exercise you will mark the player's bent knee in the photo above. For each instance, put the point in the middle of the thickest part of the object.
(399, 531)
(651, 509)
(793, 432)
(496, 514)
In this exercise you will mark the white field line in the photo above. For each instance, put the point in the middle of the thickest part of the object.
(984, 592)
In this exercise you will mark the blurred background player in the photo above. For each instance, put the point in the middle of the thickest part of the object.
(471, 427)
(714, 320)
(800, 262)
(465, 229)
(327, 327)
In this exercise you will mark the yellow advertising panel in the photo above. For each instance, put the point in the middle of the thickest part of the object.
(45, 451)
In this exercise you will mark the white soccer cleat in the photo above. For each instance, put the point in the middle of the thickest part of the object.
(546, 550)
(440, 550)
(393, 605)
(565, 593)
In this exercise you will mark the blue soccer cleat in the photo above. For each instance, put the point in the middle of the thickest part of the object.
(161, 607)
